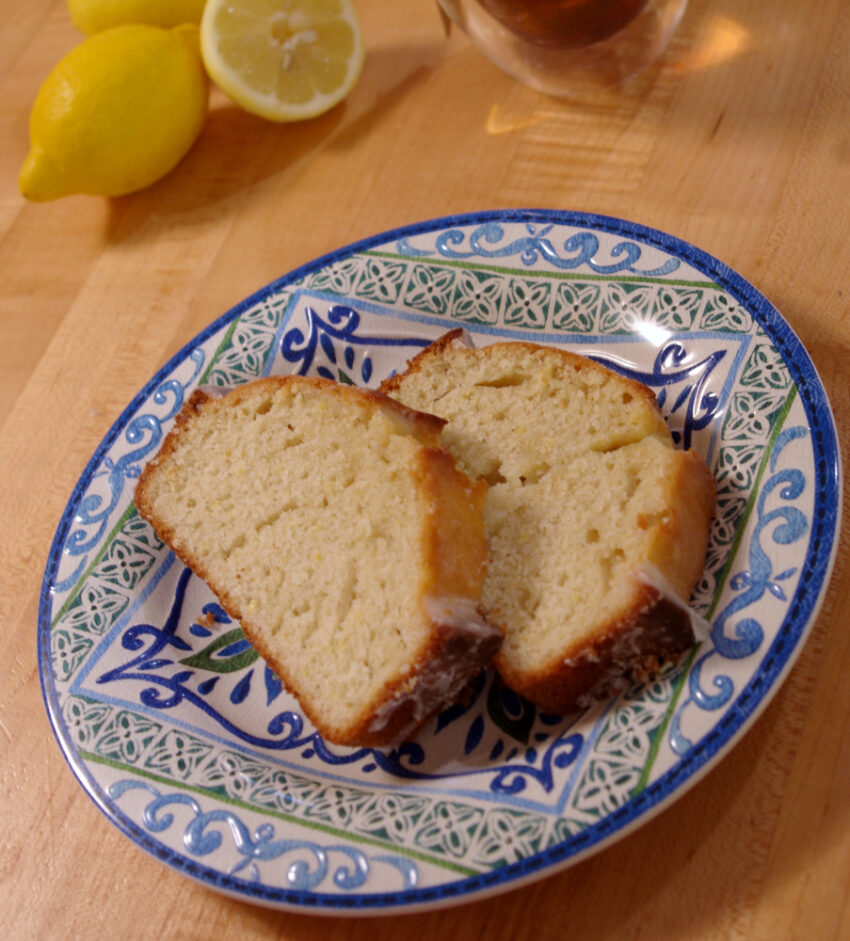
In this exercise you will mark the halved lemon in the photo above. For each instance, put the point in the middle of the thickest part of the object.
(284, 60)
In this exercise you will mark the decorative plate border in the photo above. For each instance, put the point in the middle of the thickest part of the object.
(457, 244)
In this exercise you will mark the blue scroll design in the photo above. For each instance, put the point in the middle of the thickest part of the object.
(581, 248)
(341, 326)
(202, 835)
(734, 637)
(164, 689)
(693, 400)
(144, 433)
(529, 747)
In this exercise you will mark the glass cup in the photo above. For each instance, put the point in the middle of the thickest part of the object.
(568, 47)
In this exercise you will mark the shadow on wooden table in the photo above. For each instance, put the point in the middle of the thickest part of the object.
(237, 151)
(492, 120)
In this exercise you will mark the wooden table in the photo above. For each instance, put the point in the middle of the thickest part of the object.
(739, 141)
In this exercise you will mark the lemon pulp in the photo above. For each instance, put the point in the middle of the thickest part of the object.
(282, 59)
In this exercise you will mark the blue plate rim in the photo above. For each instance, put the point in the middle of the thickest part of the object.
(752, 700)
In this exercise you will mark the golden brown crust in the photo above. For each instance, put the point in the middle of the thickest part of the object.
(424, 426)
(391, 383)
(653, 630)
(681, 538)
(454, 652)
(190, 409)
(452, 340)
(654, 626)
(455, 545)
(462, 642)
(460, 645)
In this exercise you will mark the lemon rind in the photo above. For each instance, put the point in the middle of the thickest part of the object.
(269, 106)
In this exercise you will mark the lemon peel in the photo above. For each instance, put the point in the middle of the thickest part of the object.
(116, 114)
(92, 16)
(284, 60)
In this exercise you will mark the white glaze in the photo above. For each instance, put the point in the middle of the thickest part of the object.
(438, 682)
(650, 575)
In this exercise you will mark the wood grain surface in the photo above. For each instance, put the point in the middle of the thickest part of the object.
(738, 141)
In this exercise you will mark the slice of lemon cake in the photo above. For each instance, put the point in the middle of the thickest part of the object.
(597, 525)
(328, 520)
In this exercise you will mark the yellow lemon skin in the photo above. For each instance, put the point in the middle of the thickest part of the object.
(116, 114)
(92, 16)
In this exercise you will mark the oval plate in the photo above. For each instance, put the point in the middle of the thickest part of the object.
(185, 739)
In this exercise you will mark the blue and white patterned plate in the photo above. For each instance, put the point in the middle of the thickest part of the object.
(187, 742)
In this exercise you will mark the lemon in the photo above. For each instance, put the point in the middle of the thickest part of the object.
(283, 59)
(92, 16)
(118, 112)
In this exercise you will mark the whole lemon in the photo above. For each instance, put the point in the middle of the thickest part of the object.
(92, 16)
(117, 113)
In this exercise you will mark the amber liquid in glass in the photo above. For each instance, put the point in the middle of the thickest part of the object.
(564, 23)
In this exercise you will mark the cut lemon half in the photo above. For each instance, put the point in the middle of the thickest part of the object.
(284, 60)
